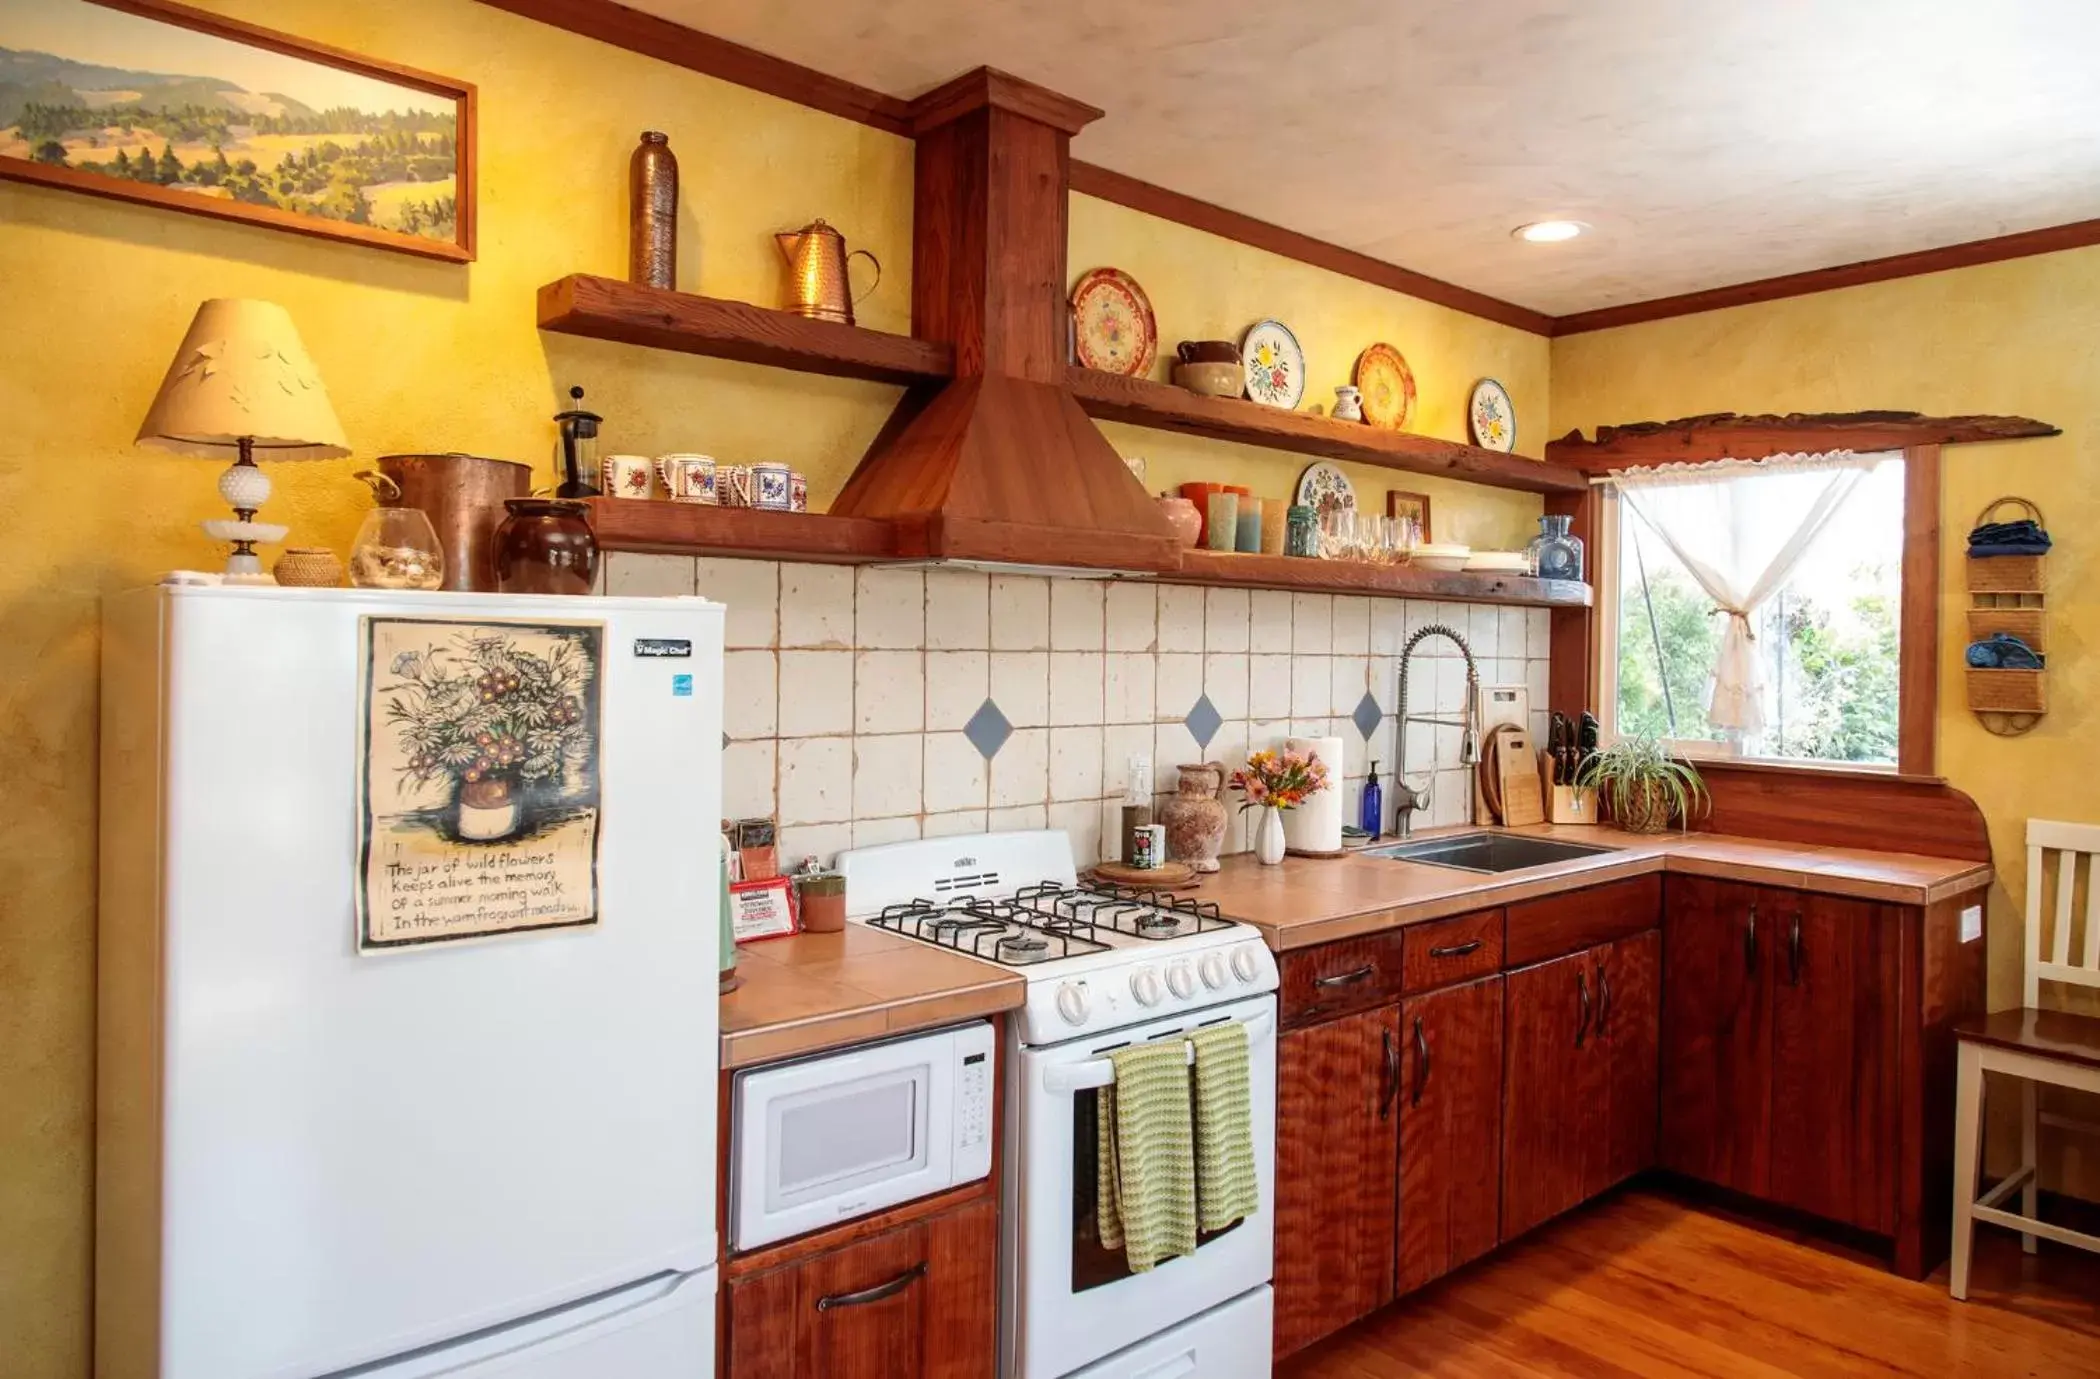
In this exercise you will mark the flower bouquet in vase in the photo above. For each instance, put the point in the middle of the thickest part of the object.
(1273, 782)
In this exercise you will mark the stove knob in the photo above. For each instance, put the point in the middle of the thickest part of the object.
(1181, 981)
(1244, 967)
(1213, 969)
(1144, 984)
(1072, 1003)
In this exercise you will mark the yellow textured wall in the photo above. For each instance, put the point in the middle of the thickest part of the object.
(416, 355)
(1204, 287)
(2016, 337)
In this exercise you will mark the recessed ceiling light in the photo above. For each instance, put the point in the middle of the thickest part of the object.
(1549, 231)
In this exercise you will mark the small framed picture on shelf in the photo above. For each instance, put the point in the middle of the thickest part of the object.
(1414, 505)
(761, 909)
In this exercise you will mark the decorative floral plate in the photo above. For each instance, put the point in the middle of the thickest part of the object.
(1113, 329)
(1388, 386)
(1275, 365)
(1491, 418)
(1324, 489)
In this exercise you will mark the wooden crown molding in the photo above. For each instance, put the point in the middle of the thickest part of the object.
(622, 27)
(988, 87)
(1108, 185)
(2076, 235)
(1729, 435)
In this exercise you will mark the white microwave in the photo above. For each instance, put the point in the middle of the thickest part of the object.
(836, 1136)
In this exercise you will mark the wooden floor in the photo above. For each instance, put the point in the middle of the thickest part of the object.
(1644, 1284)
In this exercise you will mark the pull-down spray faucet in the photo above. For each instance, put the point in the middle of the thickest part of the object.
(1406, 798)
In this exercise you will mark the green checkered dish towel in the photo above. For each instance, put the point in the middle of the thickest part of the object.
(1225, 1185)
(1145, 1161)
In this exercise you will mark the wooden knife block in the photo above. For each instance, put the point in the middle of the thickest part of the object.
(1565, 804)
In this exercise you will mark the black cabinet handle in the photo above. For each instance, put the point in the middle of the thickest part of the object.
(1750, 941)
(1392, 1074)
(1582, 989)
(1349, 978)
(1603, 998)
(1793, 951)
(1456, 950)
(1421, 1064)
(832, 1301)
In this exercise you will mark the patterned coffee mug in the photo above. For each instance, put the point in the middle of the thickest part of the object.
(628, 476)
(689, 478)
(733, 485)
(772, 486)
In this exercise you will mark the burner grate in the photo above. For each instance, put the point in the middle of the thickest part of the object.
(1129, 910)
(999, 930)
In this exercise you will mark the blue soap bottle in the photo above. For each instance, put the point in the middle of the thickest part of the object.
(1371, 813)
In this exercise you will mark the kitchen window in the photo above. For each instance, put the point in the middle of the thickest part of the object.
(1812, 549)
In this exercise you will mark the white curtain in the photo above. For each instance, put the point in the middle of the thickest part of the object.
(1741, 540)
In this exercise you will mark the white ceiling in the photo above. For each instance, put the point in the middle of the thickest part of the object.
(1707, 141)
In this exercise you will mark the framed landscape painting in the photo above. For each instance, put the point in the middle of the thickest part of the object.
(148, 101)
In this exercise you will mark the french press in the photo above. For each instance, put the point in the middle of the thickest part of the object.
(578, 457)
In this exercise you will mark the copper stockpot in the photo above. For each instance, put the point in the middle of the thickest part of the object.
(463, 496)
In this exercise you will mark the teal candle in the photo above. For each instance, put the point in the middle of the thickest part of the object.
(1250, 525)
(1224, 523)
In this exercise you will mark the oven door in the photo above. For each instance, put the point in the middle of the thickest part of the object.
(1069, 1300)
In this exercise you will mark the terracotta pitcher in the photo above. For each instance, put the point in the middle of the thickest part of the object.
(1195, 816)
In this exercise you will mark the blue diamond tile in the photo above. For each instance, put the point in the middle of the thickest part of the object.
(1203, 721)
(988, 729)
(1367, 715)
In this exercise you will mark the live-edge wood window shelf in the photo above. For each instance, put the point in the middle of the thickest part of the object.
(609, 309)
(1297, 573)
(1142, 402)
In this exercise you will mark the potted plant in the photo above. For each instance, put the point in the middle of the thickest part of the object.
(492, 722)
(1273, 782)
(1642, 785)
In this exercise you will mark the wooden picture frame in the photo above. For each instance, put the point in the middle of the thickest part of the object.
(1402, 504)
(54, 171)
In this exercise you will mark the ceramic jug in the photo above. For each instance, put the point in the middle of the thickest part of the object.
(1195, 817)
(818, 282)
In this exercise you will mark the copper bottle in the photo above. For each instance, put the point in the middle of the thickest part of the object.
(463, 497)
(652, 227)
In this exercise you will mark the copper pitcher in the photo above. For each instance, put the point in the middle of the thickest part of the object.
(818, 282)
(463, 495)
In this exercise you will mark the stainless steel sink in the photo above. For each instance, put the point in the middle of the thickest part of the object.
(1486, 852)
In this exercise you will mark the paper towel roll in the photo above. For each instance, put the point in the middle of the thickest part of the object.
(1316, 825)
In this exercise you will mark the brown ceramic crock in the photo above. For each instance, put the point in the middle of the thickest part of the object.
(545, 546)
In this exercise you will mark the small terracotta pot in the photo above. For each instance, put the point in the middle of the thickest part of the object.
(1182, 516)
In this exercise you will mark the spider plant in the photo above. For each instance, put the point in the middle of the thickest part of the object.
(1643, 785)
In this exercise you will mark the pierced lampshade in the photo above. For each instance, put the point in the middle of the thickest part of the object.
(242, 384)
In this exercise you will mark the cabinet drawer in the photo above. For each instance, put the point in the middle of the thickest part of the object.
(1339, 978)
(1457, 949)
(1558, 924)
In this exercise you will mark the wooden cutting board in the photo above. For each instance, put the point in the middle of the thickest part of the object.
(1167, 876)
(1517, 766)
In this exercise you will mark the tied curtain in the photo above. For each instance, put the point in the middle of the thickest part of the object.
(1740, 527)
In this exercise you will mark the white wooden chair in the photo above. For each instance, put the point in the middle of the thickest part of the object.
(2032, 1044)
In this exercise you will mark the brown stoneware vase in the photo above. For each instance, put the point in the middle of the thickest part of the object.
(1195, 817)
(545, 546)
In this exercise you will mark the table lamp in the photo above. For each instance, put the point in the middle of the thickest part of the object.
(242, 384)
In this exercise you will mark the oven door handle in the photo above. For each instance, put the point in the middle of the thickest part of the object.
(1101, 1072)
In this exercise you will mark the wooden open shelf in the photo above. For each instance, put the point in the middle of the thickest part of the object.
(666, 528)
(1142, 402)
(609, 309)
(1220, 568)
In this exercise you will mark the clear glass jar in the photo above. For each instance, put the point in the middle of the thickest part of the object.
(1556, 552)
(1301, 532)
(396, 548)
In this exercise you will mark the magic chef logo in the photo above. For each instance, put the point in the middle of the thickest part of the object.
(660, 648)
(965, 862)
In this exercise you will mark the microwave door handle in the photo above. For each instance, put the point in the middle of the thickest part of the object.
(1101, 1072)
(1179, 1367)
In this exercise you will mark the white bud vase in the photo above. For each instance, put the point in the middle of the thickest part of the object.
(1268, 837)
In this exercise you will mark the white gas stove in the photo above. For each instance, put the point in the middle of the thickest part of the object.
(1106, 966)
(1096, 956)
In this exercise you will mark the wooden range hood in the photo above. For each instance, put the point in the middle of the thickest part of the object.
(1000, 465)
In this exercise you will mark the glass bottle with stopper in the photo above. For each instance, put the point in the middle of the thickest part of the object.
(577, 458)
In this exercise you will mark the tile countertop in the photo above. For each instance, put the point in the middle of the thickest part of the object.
(1308, 901)
(811, 992)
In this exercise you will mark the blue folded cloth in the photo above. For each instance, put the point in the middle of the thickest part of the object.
(2003, 651)
(2024, 537)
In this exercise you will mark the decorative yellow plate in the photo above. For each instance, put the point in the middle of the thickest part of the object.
(1388, 386)
(1113, 329)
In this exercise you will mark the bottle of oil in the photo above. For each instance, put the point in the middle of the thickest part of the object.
(1370, 814)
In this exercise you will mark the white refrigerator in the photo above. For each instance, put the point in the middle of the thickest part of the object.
(407, 1031)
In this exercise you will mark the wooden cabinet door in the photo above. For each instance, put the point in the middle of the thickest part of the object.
(1629, 981)
(1716, 1054)
(1336, 1169)
(1450, 1109)
(1556, 1091)
(1833, 970)
(918, 1302)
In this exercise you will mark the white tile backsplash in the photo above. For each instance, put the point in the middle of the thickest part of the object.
(850, 732)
